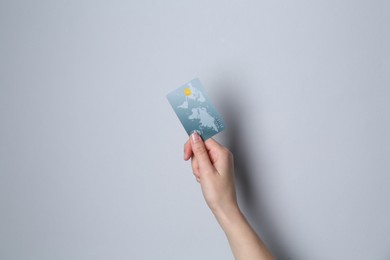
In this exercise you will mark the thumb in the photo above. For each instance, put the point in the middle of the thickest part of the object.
(200, 152)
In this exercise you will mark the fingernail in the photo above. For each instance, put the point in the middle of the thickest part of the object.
(195, 137)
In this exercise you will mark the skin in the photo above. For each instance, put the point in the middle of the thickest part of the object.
(213, 167)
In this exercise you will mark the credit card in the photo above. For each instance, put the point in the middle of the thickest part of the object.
(193, 107)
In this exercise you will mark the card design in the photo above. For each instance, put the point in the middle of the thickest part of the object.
(195, 111)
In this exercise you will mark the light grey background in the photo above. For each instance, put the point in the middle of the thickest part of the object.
(91, 152)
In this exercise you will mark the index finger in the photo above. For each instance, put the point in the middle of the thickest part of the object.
(187, 150)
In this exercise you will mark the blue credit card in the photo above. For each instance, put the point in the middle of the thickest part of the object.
(195, 110)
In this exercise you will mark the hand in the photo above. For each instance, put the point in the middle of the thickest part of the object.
(212, 165)
(213, 168)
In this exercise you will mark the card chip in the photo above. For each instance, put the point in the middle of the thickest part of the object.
(187, 92)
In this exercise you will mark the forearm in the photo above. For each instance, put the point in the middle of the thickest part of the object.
(243, 240)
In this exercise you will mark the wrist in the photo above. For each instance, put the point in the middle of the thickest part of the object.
(228, 215)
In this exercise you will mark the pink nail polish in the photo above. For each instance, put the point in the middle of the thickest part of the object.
(195, 137)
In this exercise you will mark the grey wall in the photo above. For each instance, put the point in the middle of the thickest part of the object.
(91, 152)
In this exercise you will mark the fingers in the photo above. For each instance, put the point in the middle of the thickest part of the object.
(211, 145)
(200, 152)
(195, 167)
(187, 150)
(203, 155)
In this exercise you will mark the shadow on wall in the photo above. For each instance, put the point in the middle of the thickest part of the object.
(252, 197)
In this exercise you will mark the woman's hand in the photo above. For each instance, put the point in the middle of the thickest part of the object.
(213, 167)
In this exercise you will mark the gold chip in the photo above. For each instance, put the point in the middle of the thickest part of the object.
(187, 91)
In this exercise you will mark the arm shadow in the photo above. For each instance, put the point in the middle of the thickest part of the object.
(251, 198)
